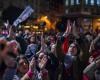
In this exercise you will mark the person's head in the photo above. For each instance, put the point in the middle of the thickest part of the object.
(20, 32)
(97, 61)
(22, 64)
(32, 39)
(42, 60)
(52, 39)
(97, 72)
(3, 47)
(33, 34)
(97, 44)
(73, 49)
(14, 47)
(89, 37)
(53, 48)
(41, 55)
(27, 31)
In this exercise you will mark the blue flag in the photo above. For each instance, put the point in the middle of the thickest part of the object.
(25, 14)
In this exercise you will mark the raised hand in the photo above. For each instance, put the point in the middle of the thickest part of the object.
(74, 30)
(68, 29)
(32, 64)
(43, 62)
(42, 40)
(30, 74)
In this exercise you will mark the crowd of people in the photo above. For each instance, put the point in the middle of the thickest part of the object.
(70, 55)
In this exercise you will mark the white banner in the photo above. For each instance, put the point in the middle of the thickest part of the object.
(25, 14)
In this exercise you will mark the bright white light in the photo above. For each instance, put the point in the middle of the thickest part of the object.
(92, 2)
(77, 2)
(98, 2)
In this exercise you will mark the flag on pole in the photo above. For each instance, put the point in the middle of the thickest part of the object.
(25, 14)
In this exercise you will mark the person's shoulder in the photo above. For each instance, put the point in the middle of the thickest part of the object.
(31, 45)
(89, 67)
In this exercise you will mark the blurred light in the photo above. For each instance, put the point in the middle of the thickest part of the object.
(35, 27)
(26, 26)
(39, 32)
(45, 19)
(96, 24)
(20, 26)
(98, 19)
(45, 29)
(77, 2)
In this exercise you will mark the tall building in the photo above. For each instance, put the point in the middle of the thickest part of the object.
(87, 11)
(91, 6)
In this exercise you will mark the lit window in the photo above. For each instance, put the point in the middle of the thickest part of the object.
(92, 2)
(86, 1)
(98, 2)
(72, 2)
(77, 2)
(67, 2)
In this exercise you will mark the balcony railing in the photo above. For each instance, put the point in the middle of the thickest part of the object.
(82, 2)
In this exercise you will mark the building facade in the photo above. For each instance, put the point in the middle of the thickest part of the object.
(87, 11)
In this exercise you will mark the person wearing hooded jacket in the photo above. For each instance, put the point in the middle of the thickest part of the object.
(78, 55)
